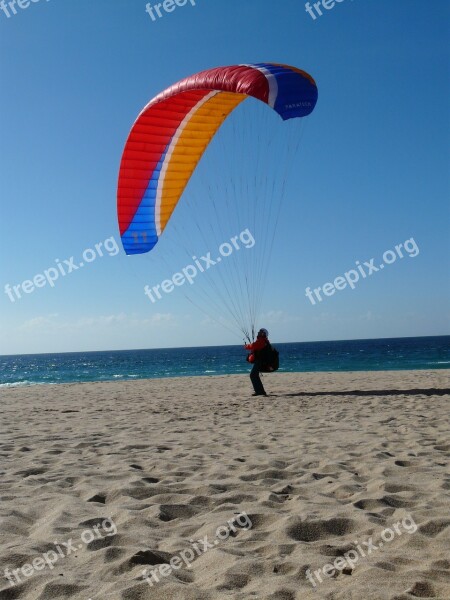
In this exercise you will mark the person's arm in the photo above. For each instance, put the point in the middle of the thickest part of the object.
(258, 345)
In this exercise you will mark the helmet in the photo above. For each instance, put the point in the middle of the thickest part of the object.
(264, 331)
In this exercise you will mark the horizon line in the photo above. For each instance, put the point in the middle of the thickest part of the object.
(223, 345)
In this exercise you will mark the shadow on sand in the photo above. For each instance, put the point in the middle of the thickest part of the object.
(413, 392)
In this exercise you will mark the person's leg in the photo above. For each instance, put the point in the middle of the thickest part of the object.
(256, 380)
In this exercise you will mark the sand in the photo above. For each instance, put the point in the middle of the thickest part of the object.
(210, 493)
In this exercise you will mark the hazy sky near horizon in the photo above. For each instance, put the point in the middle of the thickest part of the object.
(372, 171)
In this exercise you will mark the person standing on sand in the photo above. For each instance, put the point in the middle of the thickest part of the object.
(258, 349)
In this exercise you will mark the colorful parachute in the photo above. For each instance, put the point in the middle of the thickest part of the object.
(172, 132)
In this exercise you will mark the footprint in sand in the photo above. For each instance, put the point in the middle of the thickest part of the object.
(170, 512)
(434, 527)
(311, 531)
(150, 480)
(100, 498)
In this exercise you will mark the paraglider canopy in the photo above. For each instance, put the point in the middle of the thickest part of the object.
(172, 132)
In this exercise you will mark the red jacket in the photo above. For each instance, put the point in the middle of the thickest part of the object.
(259, 344)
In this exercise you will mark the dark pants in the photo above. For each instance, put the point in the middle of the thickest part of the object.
(256, 380)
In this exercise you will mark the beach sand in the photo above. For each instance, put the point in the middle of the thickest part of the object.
(129, 475)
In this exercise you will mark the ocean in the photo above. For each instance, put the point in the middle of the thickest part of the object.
(353, 355)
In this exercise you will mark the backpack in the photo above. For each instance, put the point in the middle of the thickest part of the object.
(270, 359)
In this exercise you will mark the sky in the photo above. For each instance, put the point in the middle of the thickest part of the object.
(371, 171)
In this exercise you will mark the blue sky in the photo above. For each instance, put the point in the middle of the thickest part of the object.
(372, 171)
